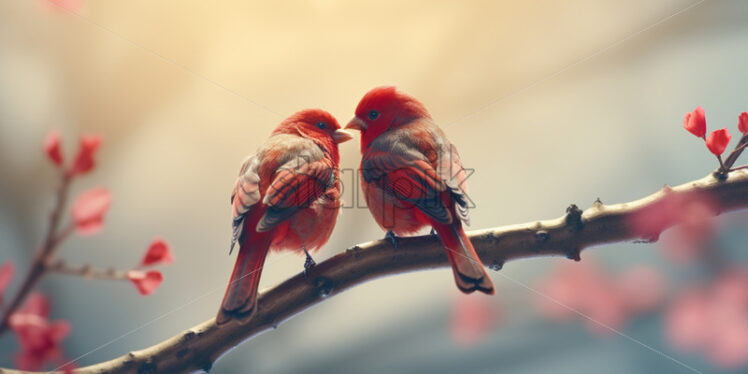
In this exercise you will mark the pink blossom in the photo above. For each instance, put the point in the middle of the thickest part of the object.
(7, 270)
(52, 148)
(691, 213)
(473, 318)
(718, 140)
(604, 302)
(695, 122)
(84, 160)
(38, 337)
(145, 282)
(89, 209)
(158, 252)
(713, 320)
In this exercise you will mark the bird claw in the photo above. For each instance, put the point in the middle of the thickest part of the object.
(309, 263)
(432, 232)
(392, 238)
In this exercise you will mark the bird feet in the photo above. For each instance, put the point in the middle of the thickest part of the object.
(392, 238)
(308, 264)
(432, 232)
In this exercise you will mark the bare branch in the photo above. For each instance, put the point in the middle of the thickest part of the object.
(197, 348)
(44, 253)
(86, 271)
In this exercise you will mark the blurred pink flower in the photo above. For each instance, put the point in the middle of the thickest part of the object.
(38, 337)
(7, 270)
(52, 148)
(584, 291)
(713, 320)
(84, 160)
(691, 214)
(158, 252)
(642, 287)
(89, 209)
(145, 282)
(473, 318)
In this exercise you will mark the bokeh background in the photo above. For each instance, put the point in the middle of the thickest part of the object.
(550, 102)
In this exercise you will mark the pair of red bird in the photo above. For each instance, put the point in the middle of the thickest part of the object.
(287, 195)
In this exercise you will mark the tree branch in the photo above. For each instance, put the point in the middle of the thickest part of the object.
(197, 348)
(43, 255)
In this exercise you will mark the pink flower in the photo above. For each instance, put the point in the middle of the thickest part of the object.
(473, 318)
(158, 252)
(686, 325)
(52, 148)
(713, 320)
(642, 288)
(743, 122)
(145, 282)
(6, 276)
(38, 337)
(89, 209)
(605, 302)
(691, 214)
(717, 141)
(695, 122)
(84, 160)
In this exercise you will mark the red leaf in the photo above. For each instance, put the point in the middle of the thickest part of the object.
(158, 252)
(145, 282)
(695, 122)
(6, 276)
(743, 122)
(89, 209)
(717, 141)
(52, 147)
(84, 160)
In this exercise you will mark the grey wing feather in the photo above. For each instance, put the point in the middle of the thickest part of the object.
(245, 194)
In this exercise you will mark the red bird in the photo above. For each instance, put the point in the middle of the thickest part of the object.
(412, 177)
(287, 197)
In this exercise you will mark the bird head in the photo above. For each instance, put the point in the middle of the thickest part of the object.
(383, 109)
(316, 125)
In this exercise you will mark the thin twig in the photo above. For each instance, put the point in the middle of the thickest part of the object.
(198, 347)
(43, 254)
(87, 271)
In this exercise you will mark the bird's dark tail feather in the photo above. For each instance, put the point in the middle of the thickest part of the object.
(470, 275)
(240, 299)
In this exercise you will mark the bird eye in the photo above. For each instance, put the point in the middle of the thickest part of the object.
(322, 125)
(373, 115)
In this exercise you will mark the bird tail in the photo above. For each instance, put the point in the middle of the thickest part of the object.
(470, 275)
(240, 299)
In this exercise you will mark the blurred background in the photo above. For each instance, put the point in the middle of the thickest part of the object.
(550, 102)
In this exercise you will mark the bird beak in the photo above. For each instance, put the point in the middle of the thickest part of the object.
(340, 136)
(356, 124)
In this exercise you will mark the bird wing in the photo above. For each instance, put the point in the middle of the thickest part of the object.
(245, 195)
(400, 168)
(295, 185)
(454, 174)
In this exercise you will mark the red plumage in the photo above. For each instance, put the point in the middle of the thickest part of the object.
(413, 177)
(287, 197)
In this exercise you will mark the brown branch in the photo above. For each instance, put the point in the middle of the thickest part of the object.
(43, 255)
(197, 348)
(86, 271)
